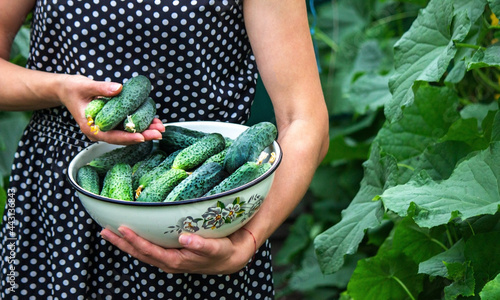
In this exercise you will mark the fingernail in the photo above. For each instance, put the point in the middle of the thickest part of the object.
(185, 239)
(121, 230)
(114, 87)
(104, 236)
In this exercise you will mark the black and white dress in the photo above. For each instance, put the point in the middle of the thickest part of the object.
(198, 58)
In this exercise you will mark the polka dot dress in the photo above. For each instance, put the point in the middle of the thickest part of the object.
(201, 66)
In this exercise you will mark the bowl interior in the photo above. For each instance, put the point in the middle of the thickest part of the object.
(229, 130)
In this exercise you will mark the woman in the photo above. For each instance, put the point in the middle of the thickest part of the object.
(202, 58)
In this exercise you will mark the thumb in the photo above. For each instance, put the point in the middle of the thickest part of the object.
(194, 243)
(107, 89)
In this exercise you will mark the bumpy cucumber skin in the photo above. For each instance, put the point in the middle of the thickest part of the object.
(249, 144)
(219, 157)
(88, 179)
(244, 174)
(177, 137)
(198, 183)
(118, 183)
(133, 94)
(194, 155)
(148, 164)
(129, 154)
(93, 108)
(162, 168)
(160, 187)
(141, 118)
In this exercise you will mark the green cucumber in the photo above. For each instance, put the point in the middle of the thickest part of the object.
(141, 118)
(133, 94)
(88, 179)
(162, 168)
(128, 154)
(94, 107)
(161, 186)
(244, 174)
(194, 155)
(177, 137)
(249, 145)
(118, 183)
(198, 183)
(146, 165)
(219, 157)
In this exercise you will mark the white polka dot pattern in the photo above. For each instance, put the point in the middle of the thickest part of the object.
(201, 67)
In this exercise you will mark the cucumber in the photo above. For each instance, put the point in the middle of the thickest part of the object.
(141, 118)
(146, 165)
(128, 154)
(93, 108)
(194, 155)
(161, 186)
(249, 144)
(118, 183)
(88, 179)
(244, 174)
(219, 157)
(162, 168)
(198, 183)
(177, 137)
(133, 94)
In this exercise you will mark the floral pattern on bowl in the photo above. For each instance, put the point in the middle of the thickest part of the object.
(219, 215)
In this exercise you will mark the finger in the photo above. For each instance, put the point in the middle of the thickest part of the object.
(201, 246)
(157, 124)
(119, 137)
(143, 249)
(146, 253)
(151, 134)
(104, 88)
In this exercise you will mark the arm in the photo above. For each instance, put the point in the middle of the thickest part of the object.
(24, 89)
(279, 33)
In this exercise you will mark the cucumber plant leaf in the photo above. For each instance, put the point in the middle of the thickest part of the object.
(489, 57)
(362, 213)
(435, 266)
(388, 275)
(463, 283)
(491, 290)
(472, 190)
(424, 52)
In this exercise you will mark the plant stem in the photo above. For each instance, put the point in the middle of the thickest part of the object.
(464, 45)
(404, 287)
(471, 229)
(406, 166)
(439, 243)
(487, 80)
(392, 18)
(320, 35)
(450, 240)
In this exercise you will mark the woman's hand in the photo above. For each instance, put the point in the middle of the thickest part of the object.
(198, 255)
(77, 91)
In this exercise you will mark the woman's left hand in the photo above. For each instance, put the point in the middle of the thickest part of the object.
(198, 255)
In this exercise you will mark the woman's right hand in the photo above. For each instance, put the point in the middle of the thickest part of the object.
(76, 91)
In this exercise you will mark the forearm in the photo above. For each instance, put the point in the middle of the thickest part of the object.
(24, 89)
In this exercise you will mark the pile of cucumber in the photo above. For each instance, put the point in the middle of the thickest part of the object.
(185, 164)
(132, 109)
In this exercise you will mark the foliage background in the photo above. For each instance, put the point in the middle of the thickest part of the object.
(412, 89)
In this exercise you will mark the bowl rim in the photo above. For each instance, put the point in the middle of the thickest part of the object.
(268, 173)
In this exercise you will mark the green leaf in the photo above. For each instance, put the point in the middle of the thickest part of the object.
(363, 213)
(297, 240)
(424, 52)
(463, 283)
(472, 190)
(435, 266)
(491, 290)
(417, 243)
(369, 92)
(485, 58)
(495, 7)
(422, 124)
(481, 250)
(385, 276)
(12, 125)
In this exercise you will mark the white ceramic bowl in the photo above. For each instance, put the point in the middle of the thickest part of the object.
(161, 223)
